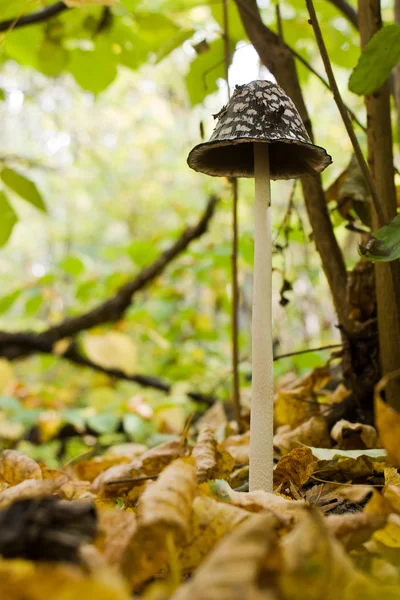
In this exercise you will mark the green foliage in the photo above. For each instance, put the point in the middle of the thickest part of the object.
(205, 70)
(378, 58)
(385, 243)
(24, 187)
(8, 218)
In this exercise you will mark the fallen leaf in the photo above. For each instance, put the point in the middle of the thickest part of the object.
(238, 446)
(164, 509)
(153, 461)
(30, 488)
(130, 451)
(388, 423)
(20, 579)
(352, 436)
(100, 484)
(113, 349)
(354, 529)
(88, 470)
(212, 460)
(313, 432)
(210, 521)
(16, 467)
(116, 529)
(232, 570)
(215, 417)
(297, 466)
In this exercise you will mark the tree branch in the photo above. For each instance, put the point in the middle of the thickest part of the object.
(281, 63)
(20, 344)
(37, 17)
(347, 11)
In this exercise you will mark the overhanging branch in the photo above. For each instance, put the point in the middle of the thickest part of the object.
(37, 17)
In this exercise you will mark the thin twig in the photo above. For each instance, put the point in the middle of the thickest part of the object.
(329, 347)
(343, 111)
(37, 17)
(131, 480)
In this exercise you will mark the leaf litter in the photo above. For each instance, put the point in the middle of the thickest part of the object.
(173, 522)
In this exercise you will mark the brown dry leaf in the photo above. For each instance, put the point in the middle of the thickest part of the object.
(388, 424)
(116, 528)
(24, 580)
(88, 470)
(156, 459)
(238, 446)
(30, 488)
(355, 493)
(130, 450)
(210, 521)
(212, 461)
(164, 508)
(392, 476)
(325, 496)
(297, 467)
(354, 436)
(16, 467)
(284, 509)
(315, 565)
(232, 570)
(76, 490)
(297, 403)
(215, 417)
(354, 529)
(344, 470)
(313, 432)
(100, 484)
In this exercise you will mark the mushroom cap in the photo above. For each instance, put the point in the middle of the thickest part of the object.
(259, 112)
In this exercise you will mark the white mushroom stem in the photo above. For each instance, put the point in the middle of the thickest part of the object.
(262, 396)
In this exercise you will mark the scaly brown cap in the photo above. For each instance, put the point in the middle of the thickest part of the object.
(259, 112)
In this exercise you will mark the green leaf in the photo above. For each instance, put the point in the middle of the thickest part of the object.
(52, 58)
(33, 304)
(236, 29)
(142, 252)
(95, 69)
(24, 187)
(385, 243)
(103, 423)
(137, 428)
(2, 94)
(73, 266)
(74, 417)
(10, 404)
(8, 218)
(174, 42)
(378, 58)
(204, 72)
(8, 300)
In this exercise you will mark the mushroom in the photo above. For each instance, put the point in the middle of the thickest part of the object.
(260, 134)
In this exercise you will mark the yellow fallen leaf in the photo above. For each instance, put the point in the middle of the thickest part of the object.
(16, 467)
(100, 484)
(282, 508)
(116, 528)
(26, 580)
(215, 417)
(210, 521)
(111, 350)
(315, 565)
(313, 432)
(153, 461)
(238, 446)
(30, 488)
(88, 470)
(353, 436)
(297, 403)
(390, 535)
(388, 423)
(232, 571)
(354, 529)
(212, 461)
(297, 466)
(164, 509)
(129, 450)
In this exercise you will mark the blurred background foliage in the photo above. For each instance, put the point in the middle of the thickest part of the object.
(99, 107)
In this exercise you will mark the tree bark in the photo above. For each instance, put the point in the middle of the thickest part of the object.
(278, 59)
(380, 157)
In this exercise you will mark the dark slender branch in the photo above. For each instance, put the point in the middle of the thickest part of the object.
(347, 10)
(329, 347)
(37, 17)
(343, 112)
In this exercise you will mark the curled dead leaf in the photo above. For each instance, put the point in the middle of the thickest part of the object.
(313, 432)
(238, 446)
(354, 529)
(116, 528)
(354, 436)
(164, 508)
(212, 461)
(388, 421)
(297, 467)
(31, 488)
(15, 467)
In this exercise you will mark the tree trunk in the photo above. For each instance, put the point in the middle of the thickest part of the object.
(380, 156)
